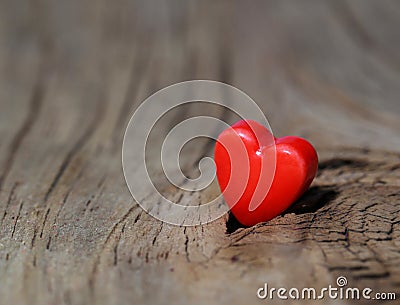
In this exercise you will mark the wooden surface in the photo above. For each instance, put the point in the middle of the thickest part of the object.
(72, 73)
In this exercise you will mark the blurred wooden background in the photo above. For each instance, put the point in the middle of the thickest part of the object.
(72, 73)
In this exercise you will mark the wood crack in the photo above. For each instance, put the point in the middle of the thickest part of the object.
(76, 148)
(108, 238)
(16, 219)
(10, 198)
(35, 106)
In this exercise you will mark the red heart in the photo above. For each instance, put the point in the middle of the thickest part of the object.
(245, 158)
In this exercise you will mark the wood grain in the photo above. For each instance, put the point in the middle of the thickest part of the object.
(73, 72)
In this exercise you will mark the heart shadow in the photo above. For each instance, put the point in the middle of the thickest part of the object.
(312, 200)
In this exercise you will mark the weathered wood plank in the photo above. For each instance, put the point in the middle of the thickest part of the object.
(72, 73)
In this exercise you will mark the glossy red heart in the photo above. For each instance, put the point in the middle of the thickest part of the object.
(254, 188)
